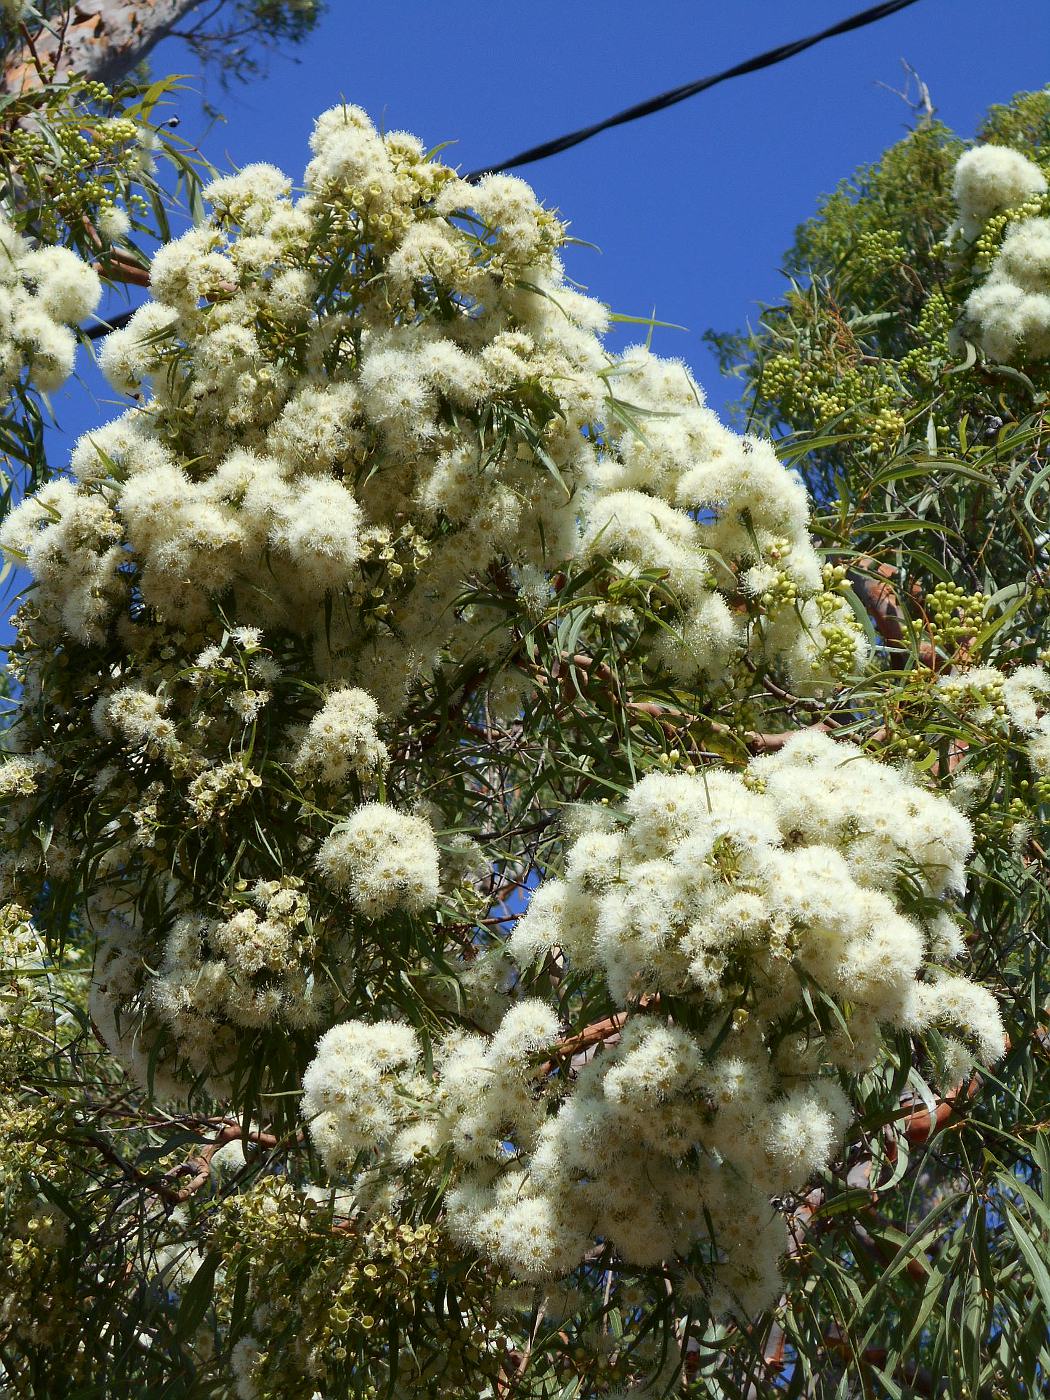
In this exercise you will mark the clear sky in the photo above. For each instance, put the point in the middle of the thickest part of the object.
(691, 208)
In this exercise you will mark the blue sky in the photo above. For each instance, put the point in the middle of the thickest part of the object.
(691, 208)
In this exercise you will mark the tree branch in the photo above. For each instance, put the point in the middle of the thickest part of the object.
(879, 597)
(99, 39)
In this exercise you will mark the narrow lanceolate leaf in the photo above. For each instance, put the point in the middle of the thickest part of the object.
(1034, 1251)
(196, 1298)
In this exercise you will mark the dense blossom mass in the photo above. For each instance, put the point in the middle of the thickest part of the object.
(767, 910)
(386, 389)
(361, 414)
(1026, 696)
(998, 188)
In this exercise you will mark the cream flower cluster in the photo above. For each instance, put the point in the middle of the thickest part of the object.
(270, 960)
(360, 1068)
(22, 956)
(188, 970)
(268, 934)
(217, 978)
(43, 292)
(536, 1187)
(1018, 701)
(1026, 695)
(1009, 313)
(787, 870)
(19, 774)
(343, 738)
(386, 859)
(990, 180)
(363, 401)
(1011, 309)
(767, 910)
(723, 522)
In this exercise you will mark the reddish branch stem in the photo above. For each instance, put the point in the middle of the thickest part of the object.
(880, 599)
(200, 1166)
(671, 717)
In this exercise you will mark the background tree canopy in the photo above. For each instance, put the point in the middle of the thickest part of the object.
(511, 887)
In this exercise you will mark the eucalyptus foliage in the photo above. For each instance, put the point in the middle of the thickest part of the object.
(928, 457)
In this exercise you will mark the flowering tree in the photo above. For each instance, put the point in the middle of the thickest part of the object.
(499, 897)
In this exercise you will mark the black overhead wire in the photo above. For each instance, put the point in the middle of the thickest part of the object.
(679, 94)
(631, 114)
(110, 323)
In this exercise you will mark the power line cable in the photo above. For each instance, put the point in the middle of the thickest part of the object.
(630, 114)
(679, 94)
(110, 323)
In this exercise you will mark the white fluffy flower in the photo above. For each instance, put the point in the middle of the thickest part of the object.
(990, 179)
(1009, 313)
(132, 354)
(353, 1091)
(789, 871)
(42, 293)
(319, 465)
(1026, 695)
(342, 739)
(66, 288)
(384, 859)
(772, 901)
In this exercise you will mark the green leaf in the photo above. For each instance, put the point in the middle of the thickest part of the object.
(968, 363)
(1015, 376)
(931, 466)
(196, 1298)
(1034, 485)
(621, 319)
(986, 633)
(1034, 1255)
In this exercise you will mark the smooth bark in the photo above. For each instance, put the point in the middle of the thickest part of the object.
(101, 39)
